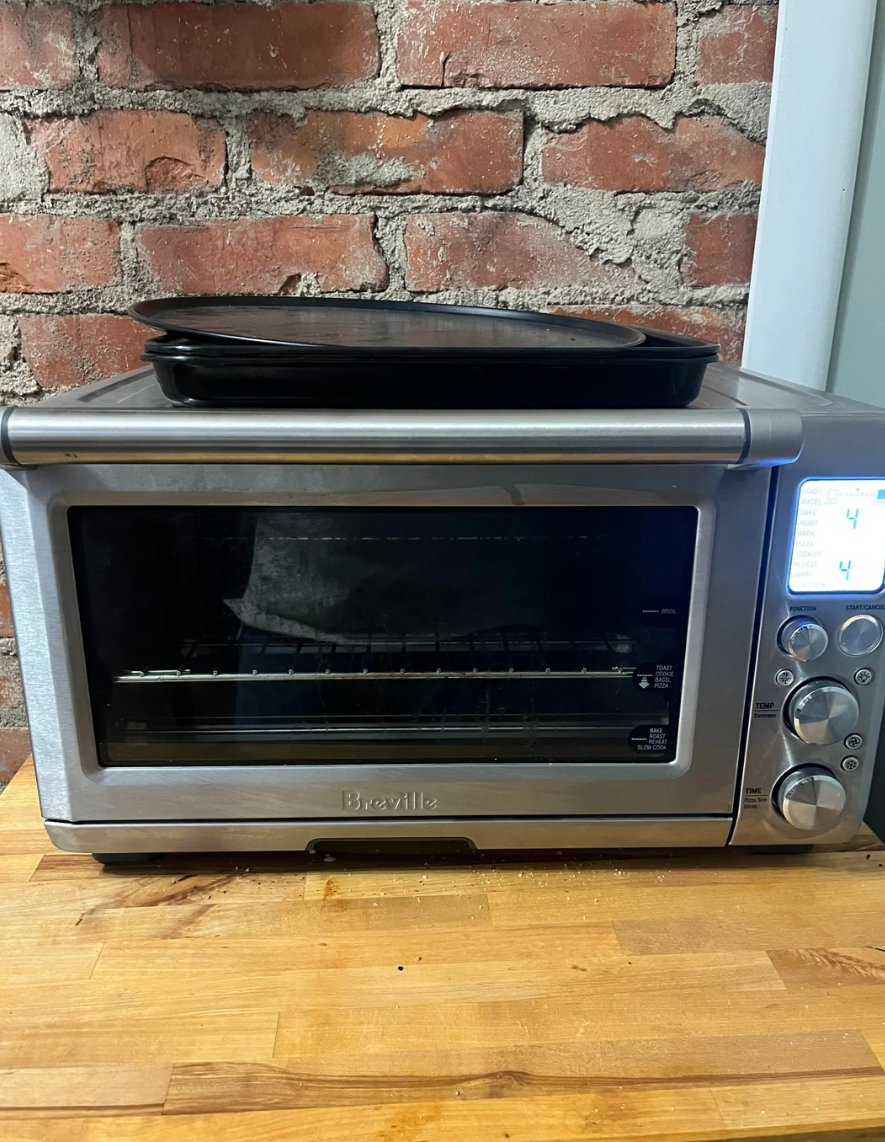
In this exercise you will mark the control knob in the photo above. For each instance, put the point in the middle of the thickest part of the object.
(811, 799)
(822, 712)
(803, 639)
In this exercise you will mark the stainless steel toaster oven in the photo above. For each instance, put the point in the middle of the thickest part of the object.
(269, 629)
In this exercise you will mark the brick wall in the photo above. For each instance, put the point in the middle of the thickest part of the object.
(591, 156)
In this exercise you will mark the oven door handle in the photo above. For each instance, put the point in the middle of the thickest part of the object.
(736, 437)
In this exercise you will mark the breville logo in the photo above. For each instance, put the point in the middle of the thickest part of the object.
(409, 801)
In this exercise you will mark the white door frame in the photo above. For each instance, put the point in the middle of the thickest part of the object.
(817, 107)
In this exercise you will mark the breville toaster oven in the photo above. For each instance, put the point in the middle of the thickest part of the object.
(274, 628)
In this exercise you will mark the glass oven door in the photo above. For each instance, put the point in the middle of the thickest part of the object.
(277, 636)
(297, 642)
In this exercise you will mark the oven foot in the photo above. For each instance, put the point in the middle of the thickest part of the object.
(782, 850)
(125, 858)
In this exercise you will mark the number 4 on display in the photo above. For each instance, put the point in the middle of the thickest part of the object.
(851, 516)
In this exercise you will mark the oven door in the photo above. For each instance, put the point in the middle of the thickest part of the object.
(287, 642)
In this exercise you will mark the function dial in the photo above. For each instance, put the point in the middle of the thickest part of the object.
(803, 639)
(811, 799)
(822, 712)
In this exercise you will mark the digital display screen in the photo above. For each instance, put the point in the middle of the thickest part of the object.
(839, 540)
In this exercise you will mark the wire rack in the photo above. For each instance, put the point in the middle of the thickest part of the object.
(491, 655)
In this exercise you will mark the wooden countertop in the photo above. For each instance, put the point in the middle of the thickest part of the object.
(697, 996)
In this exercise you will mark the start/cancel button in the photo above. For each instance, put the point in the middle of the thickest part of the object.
(861, 634)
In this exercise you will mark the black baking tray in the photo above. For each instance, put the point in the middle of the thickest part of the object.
(656, 375)
(496, 362)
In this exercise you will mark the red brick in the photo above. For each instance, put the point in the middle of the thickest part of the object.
(6, 628)
(37, 47)
(499, 251)
(15, 746)
(130, 150)
(42, 253)
(267, 255)
(723, 326)
(736, 44)
(77, 349)
(720, 249)
(238, 46)
(462, 152)
(634, 153)
(444, 43)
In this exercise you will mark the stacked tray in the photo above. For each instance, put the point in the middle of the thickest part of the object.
(340, 353)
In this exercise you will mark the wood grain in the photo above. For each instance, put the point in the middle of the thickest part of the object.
(697, 997)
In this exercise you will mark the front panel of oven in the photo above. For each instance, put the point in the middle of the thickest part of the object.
(220, 643)
(816, 705)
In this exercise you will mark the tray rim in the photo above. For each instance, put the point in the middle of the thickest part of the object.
(147, 313)
(678, 348)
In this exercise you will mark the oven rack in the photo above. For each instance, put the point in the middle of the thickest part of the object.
(498, 655)
(382, 727)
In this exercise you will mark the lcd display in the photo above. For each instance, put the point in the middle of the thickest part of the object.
(839, 539)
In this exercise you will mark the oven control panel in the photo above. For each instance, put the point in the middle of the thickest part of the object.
(817, 697)
(815, 708)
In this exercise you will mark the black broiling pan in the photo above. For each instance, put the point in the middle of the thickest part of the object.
(340, 353)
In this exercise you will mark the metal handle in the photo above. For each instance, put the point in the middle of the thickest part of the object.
(37, 435)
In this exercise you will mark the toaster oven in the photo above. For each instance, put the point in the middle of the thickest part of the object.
(272, 629)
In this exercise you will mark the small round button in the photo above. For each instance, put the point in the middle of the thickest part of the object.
(849, 764)
(861, 634)
(853, 741)
(803, 639)
(864, 677)
(785, 678)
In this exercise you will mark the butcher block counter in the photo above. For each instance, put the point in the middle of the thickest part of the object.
(702, 995)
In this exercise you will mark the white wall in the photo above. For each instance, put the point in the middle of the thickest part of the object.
(817, 111)
(857, 367)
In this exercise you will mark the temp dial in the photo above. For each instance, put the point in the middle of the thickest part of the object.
(822, 712)
(803, 639)
(811, 799)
